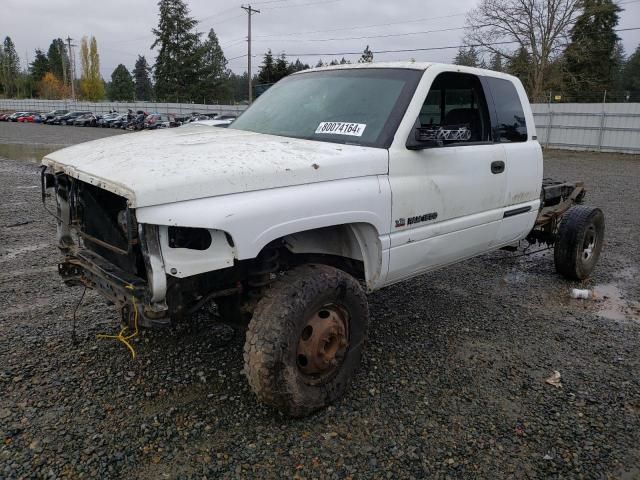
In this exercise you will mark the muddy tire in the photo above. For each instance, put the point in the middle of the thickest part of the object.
(305, 339)
(579, 242)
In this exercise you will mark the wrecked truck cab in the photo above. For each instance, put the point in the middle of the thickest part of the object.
(335, 182)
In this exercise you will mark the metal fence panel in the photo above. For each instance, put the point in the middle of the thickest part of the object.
(611, 127)
(103, 107)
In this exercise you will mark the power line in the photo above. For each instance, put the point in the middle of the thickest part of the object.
(401, 50)
(302, 4)
(363, 26)
(388, 35)
(406, 50)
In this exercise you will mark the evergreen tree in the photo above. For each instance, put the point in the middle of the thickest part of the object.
(519, 65)
(344, 62)
(495, 62)
(215, 75)
(121, 87)
(179, 60)
(632, 75)
(367, 56)
(9, 68)
(91, 84)
(267, 71)
(239, 85)
(281, 67)
(619, 63)
(40, 66)
(297, 66)
(468, 57)
(334, 62)
(143, 86)
(319, 64)
(1, 64)
(590, 54)
(58, 59)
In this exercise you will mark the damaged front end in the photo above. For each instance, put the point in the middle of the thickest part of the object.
(106, 249)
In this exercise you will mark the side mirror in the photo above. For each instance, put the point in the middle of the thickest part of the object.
(421, 138)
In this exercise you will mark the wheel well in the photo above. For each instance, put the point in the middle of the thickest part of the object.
(354, 248)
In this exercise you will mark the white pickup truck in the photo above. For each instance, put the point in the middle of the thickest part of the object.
(336, 181)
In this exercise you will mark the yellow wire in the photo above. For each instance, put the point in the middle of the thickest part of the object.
(125, 338)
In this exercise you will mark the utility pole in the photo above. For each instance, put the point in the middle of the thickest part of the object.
(250, 11)
(72, 67)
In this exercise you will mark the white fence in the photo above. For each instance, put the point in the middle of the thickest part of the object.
(103, 107)
(611, 127)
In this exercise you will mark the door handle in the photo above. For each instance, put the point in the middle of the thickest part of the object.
(497, 167)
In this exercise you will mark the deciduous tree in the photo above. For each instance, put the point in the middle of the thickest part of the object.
(91, 84)
(538, 27)
(52, 88)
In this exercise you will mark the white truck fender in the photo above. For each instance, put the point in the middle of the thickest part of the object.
(253, 219)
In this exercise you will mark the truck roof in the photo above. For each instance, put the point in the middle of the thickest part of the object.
(412, 66)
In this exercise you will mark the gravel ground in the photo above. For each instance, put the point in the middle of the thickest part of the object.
(452, 383)
(38, 133)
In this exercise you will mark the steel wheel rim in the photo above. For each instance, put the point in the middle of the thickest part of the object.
(323, 342)
(589, 244)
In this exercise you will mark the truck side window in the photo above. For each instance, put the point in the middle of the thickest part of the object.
(455, 110)
(511, 125)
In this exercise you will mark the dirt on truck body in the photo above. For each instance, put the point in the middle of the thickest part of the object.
(284, 222)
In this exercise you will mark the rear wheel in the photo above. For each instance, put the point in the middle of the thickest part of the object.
(579, 242)
(305, 339)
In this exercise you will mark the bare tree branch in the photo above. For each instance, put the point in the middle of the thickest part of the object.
(539, 27)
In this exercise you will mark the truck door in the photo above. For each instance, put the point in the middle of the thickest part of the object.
(514, 129)
(447, 200)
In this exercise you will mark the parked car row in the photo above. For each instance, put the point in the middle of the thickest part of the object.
(139, 120)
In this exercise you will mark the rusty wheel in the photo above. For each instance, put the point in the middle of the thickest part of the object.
(305, 339)
(323, 342)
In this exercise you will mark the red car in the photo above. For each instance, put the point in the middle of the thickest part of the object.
(29, 117)
(4, 116)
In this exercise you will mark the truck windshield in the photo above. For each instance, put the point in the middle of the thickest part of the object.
(355, 106)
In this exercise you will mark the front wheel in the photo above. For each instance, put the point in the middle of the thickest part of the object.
(579, 242)
(305, 339)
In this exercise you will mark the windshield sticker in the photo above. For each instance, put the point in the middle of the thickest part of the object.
(341, 128)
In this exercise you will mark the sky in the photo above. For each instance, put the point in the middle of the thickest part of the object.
(297, 27)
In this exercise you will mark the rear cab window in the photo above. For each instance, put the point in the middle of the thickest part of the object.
(510, 124)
